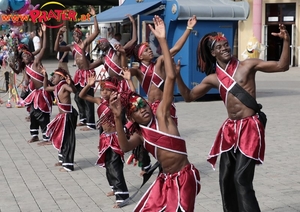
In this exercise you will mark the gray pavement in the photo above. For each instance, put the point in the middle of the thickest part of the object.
(30, 182)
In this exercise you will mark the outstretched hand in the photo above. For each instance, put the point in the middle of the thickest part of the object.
(91, 79)
(115, 104)
(92, 10)
(126, 74)
(130, 18)
(283, 33)
(119, 48)
(192, 21)
(159, 29)
(62, 30)
(43, 26)
(177, 67)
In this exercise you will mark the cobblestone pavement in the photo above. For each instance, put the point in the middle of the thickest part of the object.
(30, 182)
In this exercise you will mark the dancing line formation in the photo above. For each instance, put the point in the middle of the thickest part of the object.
(129, 122)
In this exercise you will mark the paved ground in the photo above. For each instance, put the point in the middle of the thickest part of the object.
(29, 181)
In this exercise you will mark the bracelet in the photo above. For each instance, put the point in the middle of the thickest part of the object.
(190, 28)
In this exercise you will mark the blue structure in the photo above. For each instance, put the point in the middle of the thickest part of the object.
(212, 15)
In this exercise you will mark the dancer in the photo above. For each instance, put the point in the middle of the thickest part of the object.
(78, 48)
(150, 74)
(61, 130)
(111, 156)
(112, 56)
(241, 139)
(39, 100)
(175, 189)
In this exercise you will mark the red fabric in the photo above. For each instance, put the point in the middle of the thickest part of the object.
(110, 64)
(41, 99)
(246, 134)
(123, 86)
(172, 191)
(56, 130)
(225, 77)
(81, 76)
(34, 74)
(154, 138)
(108, 140)
(104, 113)
(150, 77)
(76, 49)
(155, 104)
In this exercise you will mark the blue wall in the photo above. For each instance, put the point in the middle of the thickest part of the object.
(188, 54)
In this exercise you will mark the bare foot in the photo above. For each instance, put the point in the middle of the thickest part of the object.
(142, 173)
(44, 143)
(81, 124)
(63, 170)
(33, 139)
(111, 193)
(85, 129)
(116, 205)
(58, 164)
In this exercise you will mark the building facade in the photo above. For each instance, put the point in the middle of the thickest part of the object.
(272, 13)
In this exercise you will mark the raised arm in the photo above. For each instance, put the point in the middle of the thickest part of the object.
(284, 61)
(179, 44)
(126, 74)
(199, 90)
(134, 33)
(96, 31)
(57, 47)
(83, 93)
(45, 82)
(44, 42)
(160, 33)
(116, 108)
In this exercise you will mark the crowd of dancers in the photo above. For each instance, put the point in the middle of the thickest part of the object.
(129, 122)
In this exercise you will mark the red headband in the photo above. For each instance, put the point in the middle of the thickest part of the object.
(142, 48)
(108, 85)
(78, 31)
(26, 52)
(101, 40)
(59, 73)
(219, 37)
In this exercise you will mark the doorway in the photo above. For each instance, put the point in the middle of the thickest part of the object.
(275, 44)
(279, 13)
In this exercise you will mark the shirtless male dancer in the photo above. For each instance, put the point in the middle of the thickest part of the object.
(39, 100)
(151, 76)
(112, 56)
(241, 139)
(86, 109)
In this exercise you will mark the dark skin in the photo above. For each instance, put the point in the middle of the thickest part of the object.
(81, 61)
(147, 56)
(36, 66)
(64, 96)
(36, 62)
(120, 57)
(244, 76)
(171, 162)
(105, 94)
